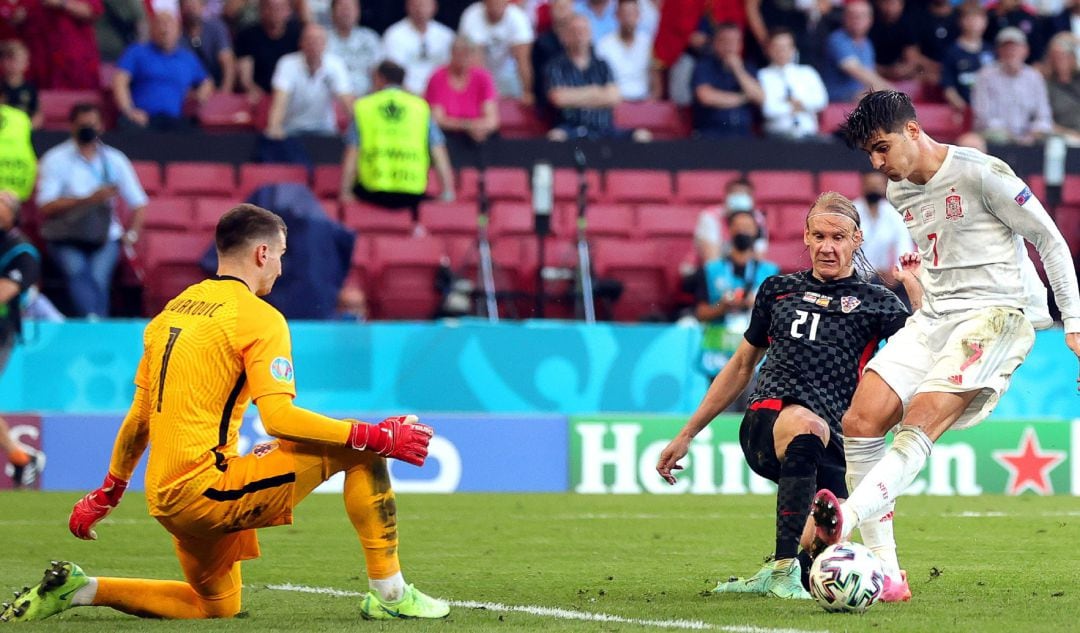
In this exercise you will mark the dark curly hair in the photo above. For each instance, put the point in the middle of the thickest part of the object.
(882, 110)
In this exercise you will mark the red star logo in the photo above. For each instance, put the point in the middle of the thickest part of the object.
(1029, 467)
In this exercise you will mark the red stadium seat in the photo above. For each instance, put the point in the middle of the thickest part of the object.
(171, 263)
(833, 115)
(224, 112)
(405, 281)
(326, 182)
(783, 186)
(786, 221)
(1067, 218)
(370, 220)
(671, 230)
(560, 259)
(789, 255)
(256, 175)
(512, 219)
(508, 272)
(1070, 190)
(566, 183)
(848, 183)
(602, 220)
(519, 121)
(361, 267)
(455, 223)
(639, 266)
(662, 118)
(168, 214)
(208, 211)
(703, 186)
(638, 185)
(500, 183)
(941, 121)
(1038, 187)
(200, 179)
(56, 106)
(149, 174)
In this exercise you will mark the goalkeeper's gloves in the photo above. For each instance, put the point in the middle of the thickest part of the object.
(95, 506)
(400, 437)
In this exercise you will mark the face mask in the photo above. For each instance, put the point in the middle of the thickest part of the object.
(739, 201)
(743, 241)
(873, 197)
(86, 134)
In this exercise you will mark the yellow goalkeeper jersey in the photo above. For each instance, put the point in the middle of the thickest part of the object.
(206, 356)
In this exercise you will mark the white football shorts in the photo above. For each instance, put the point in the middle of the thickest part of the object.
(955, 353)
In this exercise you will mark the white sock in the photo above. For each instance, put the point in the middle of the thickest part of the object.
(877, 531)
(890, 477)
(389, 589)
(84, 596)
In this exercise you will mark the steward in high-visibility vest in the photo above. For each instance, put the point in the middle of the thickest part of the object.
(393, 127)
(18, 163)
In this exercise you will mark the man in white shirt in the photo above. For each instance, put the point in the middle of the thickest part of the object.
(506, 35)
(418, 44)
(969, 214)
(358, 46)
(305, 85)
(885, 238)
(794, 93)
(628, 51)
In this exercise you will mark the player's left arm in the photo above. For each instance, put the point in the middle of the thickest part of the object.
(1012, 202)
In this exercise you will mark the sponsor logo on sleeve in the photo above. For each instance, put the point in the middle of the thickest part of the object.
(1023, 196)
(281, 369)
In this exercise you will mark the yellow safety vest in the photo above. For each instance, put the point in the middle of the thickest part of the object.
(18, 163)
(393, 126)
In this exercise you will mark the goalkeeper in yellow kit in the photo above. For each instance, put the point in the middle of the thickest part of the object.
(213, 349)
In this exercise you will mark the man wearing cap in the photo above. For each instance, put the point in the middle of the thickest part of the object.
(1009, 97)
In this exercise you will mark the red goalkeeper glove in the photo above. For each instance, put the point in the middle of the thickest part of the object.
(96, 506)
(400, 437)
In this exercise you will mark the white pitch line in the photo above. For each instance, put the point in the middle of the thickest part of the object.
(561, 614)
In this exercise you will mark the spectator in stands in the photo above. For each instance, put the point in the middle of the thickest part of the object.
(849, 67)
(18, 162)
(965, 57)
(462, 94)
(1067, 21)
(725, 90)
(583, 90)
(79, 182)
(153, 79)
(794, 93)
(885, 237)
(418, 44)
(388, 146)
(358, 46)
(352, 304)
(1009, 97)
(63, 47)
(725, 290)
(1005, 13)
(709, 234)
(896, 49)
(17, 91)
(628, 52)
(306, 83)
(602, 17)
(937, 28)
(13, 17)
(260, 46)
(1063, 86)
(209, 39)
(548, 46)
(122, 23)
(506, 35)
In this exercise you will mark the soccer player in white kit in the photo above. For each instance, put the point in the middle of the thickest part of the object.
(969, 215)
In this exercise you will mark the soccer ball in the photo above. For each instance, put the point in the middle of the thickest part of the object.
(846, 577)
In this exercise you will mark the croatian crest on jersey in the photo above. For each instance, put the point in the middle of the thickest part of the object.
(817, 299)
(848, 304)
(263, 449)
(1023, 196)
(953, 209)
(281, 369)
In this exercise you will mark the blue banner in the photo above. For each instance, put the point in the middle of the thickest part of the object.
(469, 453)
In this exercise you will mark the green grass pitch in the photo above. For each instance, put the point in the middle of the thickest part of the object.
(975, 564)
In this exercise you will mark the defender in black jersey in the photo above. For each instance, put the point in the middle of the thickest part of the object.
(819, 328)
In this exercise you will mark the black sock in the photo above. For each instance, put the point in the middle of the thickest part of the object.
(798, 478)
(804, 563)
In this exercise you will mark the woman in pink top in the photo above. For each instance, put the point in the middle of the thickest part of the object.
(462, 94)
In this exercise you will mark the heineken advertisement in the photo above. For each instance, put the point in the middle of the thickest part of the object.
(618, 455)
